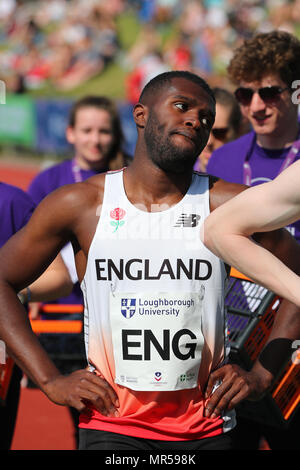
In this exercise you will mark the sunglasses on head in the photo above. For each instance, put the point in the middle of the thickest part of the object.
(269, 94)
(219, 133)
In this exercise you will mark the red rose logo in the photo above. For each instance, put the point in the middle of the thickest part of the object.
(117, 214)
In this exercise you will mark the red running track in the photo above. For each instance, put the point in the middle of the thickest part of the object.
(42, 425)
(20, 176)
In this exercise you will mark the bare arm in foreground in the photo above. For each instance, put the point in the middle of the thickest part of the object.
(236, 383)
(228, 231)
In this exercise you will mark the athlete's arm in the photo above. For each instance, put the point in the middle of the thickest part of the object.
(23, 259)
(236, 383)
(55, 282)
(228, 230)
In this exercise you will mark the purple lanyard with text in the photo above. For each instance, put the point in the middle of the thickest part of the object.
(289, 159)
(76, 172)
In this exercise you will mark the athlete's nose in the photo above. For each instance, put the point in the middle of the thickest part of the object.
(192, 120)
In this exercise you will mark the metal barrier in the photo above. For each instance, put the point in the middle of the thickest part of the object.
(251, 310)
(43, 326)
(58, 326)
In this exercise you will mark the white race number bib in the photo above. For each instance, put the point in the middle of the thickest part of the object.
(157, 339)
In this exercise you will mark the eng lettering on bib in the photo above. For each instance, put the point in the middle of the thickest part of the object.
(157, 339)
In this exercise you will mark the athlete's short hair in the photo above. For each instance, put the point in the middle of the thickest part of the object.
(276, 52)
(162, 80)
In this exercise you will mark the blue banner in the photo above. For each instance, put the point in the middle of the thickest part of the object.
(128, 126)
(52, 120)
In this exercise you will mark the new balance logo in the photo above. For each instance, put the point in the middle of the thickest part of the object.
(188, 220)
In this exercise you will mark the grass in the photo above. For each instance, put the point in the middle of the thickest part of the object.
(111, 81)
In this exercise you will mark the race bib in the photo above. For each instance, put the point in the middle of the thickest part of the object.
(157, 339)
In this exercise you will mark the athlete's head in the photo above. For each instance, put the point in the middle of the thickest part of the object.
(95, 131)
(165, 79)
(176, 112)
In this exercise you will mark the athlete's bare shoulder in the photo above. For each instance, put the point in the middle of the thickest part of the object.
(71, 203)
(221, 191)
(93, 189)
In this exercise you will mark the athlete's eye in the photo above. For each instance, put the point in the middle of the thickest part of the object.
(181, 106)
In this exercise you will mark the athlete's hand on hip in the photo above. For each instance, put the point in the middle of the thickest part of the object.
(82, 390)
(228, 386)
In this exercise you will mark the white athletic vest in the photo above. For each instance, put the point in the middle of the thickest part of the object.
(154, 303)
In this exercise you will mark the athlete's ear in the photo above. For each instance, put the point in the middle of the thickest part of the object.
(70, 134)
(140, 113)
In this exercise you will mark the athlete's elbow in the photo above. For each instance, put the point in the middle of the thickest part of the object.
(211, 234)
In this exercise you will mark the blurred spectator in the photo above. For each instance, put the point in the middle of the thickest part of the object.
(264, 68)
(7, 9)
(147, 68)
(66, 42)
(95, 132)
(61, 42)
(229, 125)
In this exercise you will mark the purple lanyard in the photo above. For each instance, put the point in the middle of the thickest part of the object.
(287, 161)
(76, 172)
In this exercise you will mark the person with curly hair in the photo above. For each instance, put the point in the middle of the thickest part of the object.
(266, 70)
